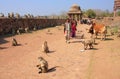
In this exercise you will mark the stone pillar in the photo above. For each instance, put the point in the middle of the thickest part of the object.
(116, 6)
(78, 17)
(75, 16)
(72, 16)
(114, 13)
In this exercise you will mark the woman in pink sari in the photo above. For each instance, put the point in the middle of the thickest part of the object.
(73, 29)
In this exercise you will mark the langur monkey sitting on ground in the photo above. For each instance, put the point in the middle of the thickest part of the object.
(14, 42)
(45, 48)
(43, 65)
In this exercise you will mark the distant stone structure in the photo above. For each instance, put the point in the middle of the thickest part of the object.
(116, 6)
(75, 12)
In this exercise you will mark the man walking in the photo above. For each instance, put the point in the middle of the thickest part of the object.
(67, 30)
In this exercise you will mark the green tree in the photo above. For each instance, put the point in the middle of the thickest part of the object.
(90, 13)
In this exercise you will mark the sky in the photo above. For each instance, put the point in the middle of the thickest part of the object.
(50, 7)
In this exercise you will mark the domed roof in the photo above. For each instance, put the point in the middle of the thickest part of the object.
(75, 9)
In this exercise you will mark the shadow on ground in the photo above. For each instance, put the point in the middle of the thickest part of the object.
(51, 51)
(1, 48)
(52, 69)
(75, 42)
(109, 39)
(2, 41)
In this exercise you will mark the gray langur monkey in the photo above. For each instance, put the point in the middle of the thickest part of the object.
(45, 47)
(43, 65)
(88, 42)
(14, 42)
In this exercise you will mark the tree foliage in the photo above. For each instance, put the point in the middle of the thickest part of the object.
(90, 13)
(96, 13)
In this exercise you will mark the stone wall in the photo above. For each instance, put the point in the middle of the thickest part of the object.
(7, 25)
(110, 21)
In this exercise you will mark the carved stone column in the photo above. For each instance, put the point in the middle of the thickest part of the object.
(116, 6)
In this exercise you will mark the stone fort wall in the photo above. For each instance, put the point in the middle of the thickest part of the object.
(110, 21)
(7, 25)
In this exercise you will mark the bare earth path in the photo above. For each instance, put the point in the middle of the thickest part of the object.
(103, 62)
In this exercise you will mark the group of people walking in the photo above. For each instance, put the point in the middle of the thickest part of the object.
(70, 29)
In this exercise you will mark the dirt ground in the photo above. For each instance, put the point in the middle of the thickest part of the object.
(102, 62)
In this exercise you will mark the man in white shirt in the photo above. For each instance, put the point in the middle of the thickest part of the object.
(67, 30)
